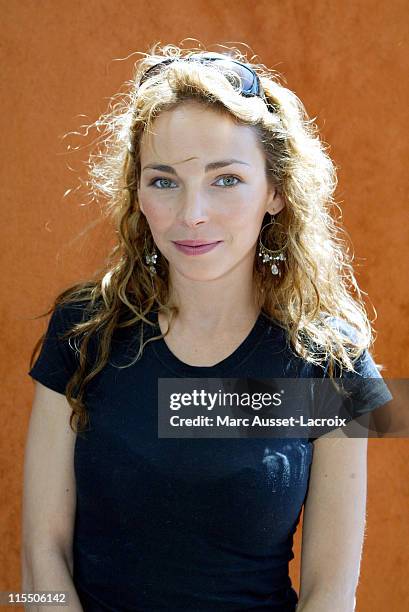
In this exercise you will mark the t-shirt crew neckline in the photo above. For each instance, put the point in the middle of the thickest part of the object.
(224, 367)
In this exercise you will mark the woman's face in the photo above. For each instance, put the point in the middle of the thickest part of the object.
(211, 186)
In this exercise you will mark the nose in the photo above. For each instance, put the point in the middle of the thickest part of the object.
(194, 210)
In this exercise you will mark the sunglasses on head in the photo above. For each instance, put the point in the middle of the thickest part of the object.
(249, 81)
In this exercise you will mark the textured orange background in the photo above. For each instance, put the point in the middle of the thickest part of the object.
(347, 61)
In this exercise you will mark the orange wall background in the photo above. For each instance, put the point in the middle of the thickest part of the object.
(347, 61)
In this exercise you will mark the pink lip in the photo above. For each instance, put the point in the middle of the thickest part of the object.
(194, 247)
(197, 242)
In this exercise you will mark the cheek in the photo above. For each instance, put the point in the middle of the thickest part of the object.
(158, 214)
(245, 220)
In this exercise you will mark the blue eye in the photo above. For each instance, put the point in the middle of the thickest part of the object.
(160, 178)
(230, 176)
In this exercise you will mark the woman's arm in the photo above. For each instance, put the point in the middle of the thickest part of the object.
(48, 571)
(49, 499)
(333, 524)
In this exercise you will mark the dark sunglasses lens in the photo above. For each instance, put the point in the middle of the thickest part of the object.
(248, 79)
(249, 82)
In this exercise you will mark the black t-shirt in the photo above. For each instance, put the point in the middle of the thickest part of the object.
(181, 524)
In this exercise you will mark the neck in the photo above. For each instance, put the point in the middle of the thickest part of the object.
(226, 302)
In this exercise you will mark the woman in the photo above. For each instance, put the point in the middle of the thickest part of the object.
(204, 149)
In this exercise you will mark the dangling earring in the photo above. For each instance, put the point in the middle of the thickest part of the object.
(151, 258)
(269, 255)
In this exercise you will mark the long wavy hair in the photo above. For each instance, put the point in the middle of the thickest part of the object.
(317, 281)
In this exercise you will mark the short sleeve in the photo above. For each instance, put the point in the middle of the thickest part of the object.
(57, 360)
(366, 388)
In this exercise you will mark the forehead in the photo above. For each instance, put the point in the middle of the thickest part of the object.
(194, 130)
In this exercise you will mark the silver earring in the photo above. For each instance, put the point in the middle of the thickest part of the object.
(271, 256)
(150, 259)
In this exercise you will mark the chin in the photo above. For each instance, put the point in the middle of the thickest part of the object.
(199, 275)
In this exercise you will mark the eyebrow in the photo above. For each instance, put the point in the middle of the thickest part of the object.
(212, 166)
